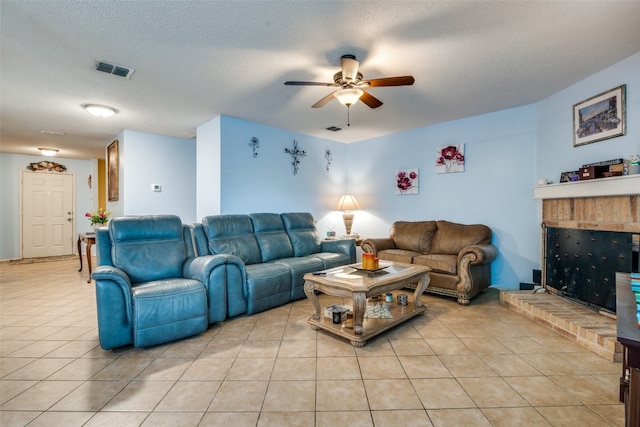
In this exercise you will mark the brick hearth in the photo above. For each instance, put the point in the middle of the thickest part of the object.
(583, 325)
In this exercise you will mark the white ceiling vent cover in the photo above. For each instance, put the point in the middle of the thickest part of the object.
(116, 70)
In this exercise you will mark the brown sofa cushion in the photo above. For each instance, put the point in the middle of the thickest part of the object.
(439, 262)
(397, 255)
(450, 238)
(413, 236)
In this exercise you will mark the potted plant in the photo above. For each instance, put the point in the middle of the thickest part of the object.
(98, 218)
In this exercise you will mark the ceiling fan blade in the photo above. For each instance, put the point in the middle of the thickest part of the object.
(324, 101)
(390, 81)
(350, 67)
(290, 83)
(370, 100)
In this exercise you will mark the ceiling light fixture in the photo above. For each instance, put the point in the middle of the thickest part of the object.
(99, 110)
(348, 97)
(49, 152)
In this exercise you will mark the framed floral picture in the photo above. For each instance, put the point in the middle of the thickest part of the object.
(450, 158)
(600, 117)
(407, 181)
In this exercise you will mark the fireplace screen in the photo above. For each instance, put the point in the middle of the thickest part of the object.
(582, 264)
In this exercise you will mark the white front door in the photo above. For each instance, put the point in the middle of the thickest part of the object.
(47, 214)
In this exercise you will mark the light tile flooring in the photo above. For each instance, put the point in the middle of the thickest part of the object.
(479, 365)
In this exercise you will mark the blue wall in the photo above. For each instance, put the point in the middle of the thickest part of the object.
(555, 150)
(11, 167)
(506, 152)
(266, 183)
(147, 159)
(494, 189)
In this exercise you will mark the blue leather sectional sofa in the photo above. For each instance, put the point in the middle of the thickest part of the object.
(158, 280)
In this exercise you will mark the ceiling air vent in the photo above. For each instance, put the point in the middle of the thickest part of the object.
(333, 128)
(116, 70)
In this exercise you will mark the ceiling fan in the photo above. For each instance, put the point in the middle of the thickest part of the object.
(351, 85)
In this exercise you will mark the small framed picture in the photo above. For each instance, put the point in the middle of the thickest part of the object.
(600, 117)
(450, 159)
(407, 181)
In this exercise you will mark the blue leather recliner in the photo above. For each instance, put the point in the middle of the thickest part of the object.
(150, 288)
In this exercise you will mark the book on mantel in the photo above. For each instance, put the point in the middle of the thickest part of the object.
(635, 287)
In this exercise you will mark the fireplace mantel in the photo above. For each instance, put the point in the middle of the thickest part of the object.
(614, 186)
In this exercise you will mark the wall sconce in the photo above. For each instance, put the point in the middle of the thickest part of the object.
(347, 204)
(99, 110)
(49, 152)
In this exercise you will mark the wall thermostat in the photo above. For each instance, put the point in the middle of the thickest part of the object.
(156, 187)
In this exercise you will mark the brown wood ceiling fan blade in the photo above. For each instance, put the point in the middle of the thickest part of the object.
(391, 81)
(309, 84)
(370, 100)
(324, 101)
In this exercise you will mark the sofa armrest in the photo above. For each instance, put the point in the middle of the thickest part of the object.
(477, 254)
(474, 269)
(105, 275)
(200, 268)
(340, 246)
(373, 246)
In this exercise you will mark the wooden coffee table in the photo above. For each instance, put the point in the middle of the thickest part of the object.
(352, 282)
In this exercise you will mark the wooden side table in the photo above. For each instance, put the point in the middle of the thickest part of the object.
(90, 240)
(629, 337)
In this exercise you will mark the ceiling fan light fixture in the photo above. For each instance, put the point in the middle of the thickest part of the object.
(349, 96)
(49, 152)
(99, 110)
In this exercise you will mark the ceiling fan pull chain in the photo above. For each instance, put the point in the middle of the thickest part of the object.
(348, 119)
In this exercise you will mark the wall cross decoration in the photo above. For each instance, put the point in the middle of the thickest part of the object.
(254, 144)
(327, 155)
(295, 155)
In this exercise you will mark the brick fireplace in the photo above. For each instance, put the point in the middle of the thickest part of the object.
(600, 205)
(602, 228)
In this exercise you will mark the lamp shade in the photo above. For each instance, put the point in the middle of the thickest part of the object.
(348, 97)
(347, 203)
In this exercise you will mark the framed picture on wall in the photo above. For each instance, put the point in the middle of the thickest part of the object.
(112, 171)
(407, 181)
(600, 117)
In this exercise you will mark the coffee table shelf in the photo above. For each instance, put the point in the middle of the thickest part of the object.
(348, 282)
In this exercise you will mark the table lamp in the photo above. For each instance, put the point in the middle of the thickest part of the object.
(346, 204)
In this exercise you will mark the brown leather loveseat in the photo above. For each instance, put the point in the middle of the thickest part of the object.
(459, 255)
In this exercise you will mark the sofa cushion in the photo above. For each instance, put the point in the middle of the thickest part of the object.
(148, 247)
(450, 238)
(413, 236)
(397, 255)
(168, 310)
(302, 232)
(232, 234)
(272, 239)
(439, 262)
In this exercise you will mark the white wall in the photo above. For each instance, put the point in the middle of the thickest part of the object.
(11, 166)
(208, 147)
(147, 159)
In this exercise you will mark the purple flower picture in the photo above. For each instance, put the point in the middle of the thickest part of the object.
(407, 181)
(450, 159)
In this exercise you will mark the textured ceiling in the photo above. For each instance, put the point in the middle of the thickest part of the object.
(194, 60)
